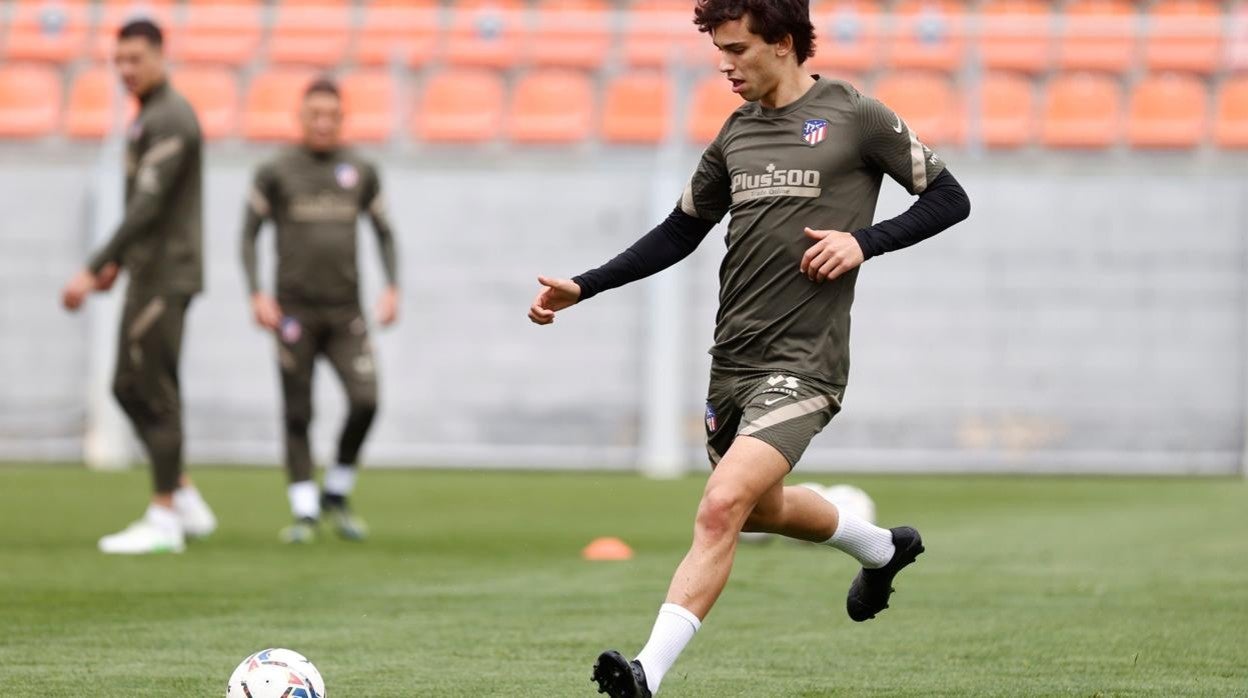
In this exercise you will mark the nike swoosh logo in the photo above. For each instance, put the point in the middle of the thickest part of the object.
(897, 128)
(773, 401)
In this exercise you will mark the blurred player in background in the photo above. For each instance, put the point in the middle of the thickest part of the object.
(159, 245)
(799, 166)
(314, 193)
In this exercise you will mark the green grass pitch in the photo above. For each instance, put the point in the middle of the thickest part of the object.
(472, 586)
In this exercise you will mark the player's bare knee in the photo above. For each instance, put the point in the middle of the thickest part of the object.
(721, 512)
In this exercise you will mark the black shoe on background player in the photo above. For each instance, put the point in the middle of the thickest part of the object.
(345, 523)
(870, 590)
(619, 678)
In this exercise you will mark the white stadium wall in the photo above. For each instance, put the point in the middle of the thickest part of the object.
(1092, 316)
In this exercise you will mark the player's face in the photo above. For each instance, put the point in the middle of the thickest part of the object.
(752, 65)
(321, 117)
(140, 65)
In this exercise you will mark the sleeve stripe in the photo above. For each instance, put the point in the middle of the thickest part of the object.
(163, 150)
(918, 163)
(378, 206)
(259, 204)
(686, 201)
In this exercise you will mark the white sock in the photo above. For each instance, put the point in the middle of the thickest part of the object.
(673, 629)
(162, 517)
(340, 480)
(188, 498)
(864, 541)
(305, 500)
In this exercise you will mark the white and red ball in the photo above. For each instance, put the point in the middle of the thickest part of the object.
(276, 673)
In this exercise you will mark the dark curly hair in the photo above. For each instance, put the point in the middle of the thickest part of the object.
(770, 19)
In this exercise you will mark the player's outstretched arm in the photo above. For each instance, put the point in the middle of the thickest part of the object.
(556, 294)
(668, 243)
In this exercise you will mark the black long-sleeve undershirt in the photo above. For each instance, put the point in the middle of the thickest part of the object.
(942, 204)
(670, 241)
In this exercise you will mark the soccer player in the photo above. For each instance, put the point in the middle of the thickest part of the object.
(315, 193)
(799, 168)
(159, 245)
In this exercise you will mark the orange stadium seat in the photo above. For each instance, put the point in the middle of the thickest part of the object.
(460, 106)
(95, 104)
(272, 104)
(637, 108)
(847, 36)
(660, 31)
(1017, 35)
(710, 105)
(1098, 35)
(486, 33)
(398, 31)
(551, 106)
(306, 32)
(209, 31)
(46, 30)
(927, 102)
(1168, 111)
(369, 101)
(1231, 127)
(115, 13)
(1184, 35)
(929, 35)
(1007, 110)
(30, 100)
(1082, 110)
(570, 33)
(214, 94)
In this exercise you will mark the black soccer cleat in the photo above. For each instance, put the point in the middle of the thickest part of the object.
(619, 678)
(869, 592)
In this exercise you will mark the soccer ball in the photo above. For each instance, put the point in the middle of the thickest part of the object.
(276, 673)
(851, 499)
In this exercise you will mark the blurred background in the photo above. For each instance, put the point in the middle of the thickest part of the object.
(1090, 317)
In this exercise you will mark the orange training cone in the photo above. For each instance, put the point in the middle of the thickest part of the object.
(607, 548)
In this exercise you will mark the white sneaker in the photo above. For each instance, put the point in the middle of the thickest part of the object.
(143, 538)
(196, 516)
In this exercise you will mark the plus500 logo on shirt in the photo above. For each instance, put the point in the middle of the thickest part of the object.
(775, 182)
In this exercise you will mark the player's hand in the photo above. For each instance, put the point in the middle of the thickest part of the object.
(555, 295)
(77, 289)
(833, 254)
(267, 312)
(107, 276)
(388, 306)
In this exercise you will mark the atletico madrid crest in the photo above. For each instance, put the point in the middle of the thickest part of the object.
(290, 329)
(712, 421)
(815, 131)
(347, 175)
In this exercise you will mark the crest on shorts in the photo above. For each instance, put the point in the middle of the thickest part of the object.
(814, 131)
(290, 330)
(712, 422)
(347, 175)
